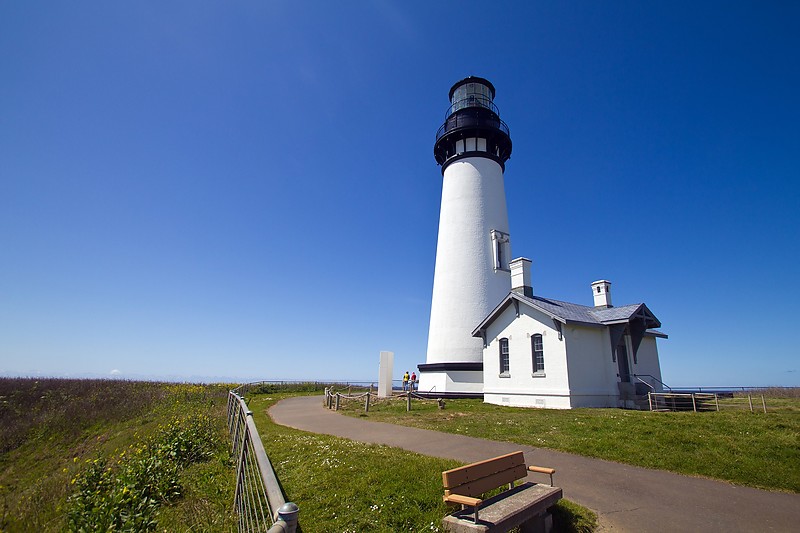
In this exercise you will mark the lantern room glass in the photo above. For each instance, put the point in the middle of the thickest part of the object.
(471, 95)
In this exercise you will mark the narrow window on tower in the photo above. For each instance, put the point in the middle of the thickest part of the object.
(504, 363)
(538, 354)
(501, 248)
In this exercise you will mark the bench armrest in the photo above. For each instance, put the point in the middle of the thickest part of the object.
(463, 500)
(543, 470)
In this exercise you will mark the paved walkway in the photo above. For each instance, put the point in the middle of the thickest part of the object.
(625, 498)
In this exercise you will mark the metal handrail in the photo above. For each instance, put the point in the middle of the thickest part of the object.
(258, 500)
(640, 376)
(652, 387)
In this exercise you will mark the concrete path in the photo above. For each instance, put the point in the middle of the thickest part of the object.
(626, 498)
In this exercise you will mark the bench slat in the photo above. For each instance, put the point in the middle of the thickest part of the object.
(465, 474)
(485, 484)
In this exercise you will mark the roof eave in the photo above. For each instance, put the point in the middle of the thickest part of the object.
(492, 315)
(505, 302)
(582, 323)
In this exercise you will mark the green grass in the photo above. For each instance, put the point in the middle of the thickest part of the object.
(754, 449)
(343, 485)
(50, 428)
(54, 430)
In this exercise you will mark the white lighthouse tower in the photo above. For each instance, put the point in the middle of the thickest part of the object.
(472, 272)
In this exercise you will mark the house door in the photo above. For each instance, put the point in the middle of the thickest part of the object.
(622, 363)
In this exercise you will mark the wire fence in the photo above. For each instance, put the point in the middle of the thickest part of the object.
(701, 401)
(259, 501)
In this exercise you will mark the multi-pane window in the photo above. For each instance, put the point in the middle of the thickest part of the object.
(504, 366)
(538, 353)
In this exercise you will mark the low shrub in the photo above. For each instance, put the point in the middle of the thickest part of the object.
(127, 496)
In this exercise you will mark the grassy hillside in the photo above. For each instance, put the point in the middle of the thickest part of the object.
(102, 443)
(755, 449)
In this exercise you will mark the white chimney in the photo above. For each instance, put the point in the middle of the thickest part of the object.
(601, 290)
(521, 276)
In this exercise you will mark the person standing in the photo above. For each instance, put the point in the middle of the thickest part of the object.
(413, 379)
(405, 381)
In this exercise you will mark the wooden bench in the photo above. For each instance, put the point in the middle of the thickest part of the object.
(525, 505)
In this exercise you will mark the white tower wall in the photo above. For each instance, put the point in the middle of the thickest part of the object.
(473, 251)
(466, 283)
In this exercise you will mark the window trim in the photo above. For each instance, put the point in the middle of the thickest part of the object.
(504, 357)
(501, 250)
(537, 354)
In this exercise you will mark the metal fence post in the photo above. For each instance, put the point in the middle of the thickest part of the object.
(288, 513)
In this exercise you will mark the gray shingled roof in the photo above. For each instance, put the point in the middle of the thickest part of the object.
(581, 313)
(567, 312)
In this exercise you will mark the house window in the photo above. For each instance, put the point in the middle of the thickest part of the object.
(504, 364)
(538, 353)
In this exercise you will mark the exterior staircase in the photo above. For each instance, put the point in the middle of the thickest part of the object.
(634, 394)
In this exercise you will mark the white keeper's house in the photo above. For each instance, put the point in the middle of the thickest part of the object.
(541, 352)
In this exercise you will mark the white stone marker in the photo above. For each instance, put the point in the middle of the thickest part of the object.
(385, 374)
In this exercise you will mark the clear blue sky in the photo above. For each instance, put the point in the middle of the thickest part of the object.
(247, 189)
